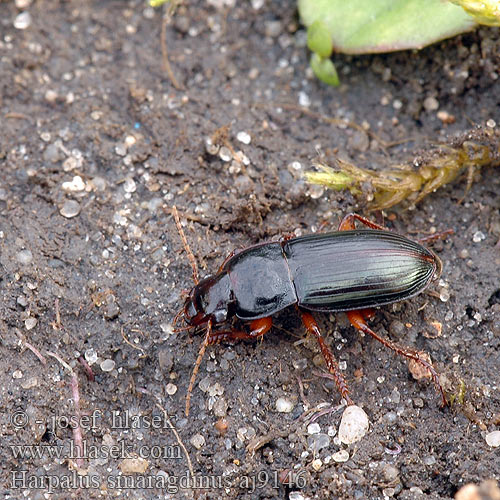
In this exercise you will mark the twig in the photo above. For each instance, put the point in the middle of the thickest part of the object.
(127, 341)
(87, 368)
(77, 431)
(33, 349)
(169, 9)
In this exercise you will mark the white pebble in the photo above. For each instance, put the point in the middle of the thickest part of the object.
(22, 21)
(17, 374)
(243, 137)
(90, 356)
(478, 236)
(171, 389)
(76, 184)
(30, 323)
(70, 209)
(198, 441)
(316, 464)
(129, 185)
(313, 428)
(108, 365)
(353, 425)
(23, 4)
(493, 439)
(284, 405)
(341, 456)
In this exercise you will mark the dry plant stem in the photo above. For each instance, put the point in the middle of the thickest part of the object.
(169, 10)
(77, 431)
(189, 253)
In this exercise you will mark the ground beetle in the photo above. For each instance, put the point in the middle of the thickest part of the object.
(351, 270)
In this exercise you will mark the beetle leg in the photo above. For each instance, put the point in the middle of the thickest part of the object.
(357, 320)
(436, 236)
(332, 365)
(258, 327)
(348, 223)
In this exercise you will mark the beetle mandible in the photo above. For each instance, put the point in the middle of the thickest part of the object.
(350, 270)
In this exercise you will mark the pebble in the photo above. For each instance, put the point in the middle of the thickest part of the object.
(198, 441)
(71, 208)
(478, 236)
(90, 356)
(22, 21)
(341, 456)
(29, 383)
(24, 256)
(108, 365)
(353, 425)
(225, 154)
(313, 428)
(316, 464)
(129, 186)
(17, 374)
(171, 389)
(30, 323)
(493, 439)
(220, 407)
(243, 137)
(76, 184)
(284, 405)
(23, 4)
(431, 104)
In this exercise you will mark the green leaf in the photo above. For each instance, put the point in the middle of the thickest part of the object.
(367, 26)
(325, 70)
(319, 39)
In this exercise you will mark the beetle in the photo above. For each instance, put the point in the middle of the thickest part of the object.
(350, 270)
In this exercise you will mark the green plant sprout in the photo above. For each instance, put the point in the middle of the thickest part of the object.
(386, 188)
(371, 26)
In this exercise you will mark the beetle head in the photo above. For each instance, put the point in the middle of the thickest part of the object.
(210, 299)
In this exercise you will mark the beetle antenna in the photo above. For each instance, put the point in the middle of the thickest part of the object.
(190, 255)
(201, 353)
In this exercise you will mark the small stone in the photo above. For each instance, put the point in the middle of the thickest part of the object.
(417, 370)
(493, 439)
(313, 428)
(71, 208)
(225, 154)
(243, 137)
(220, 407)
(431, 104)
(24, 256)
(478, 236)
(90, 356)
(23, 4)
(353, 425)
(17, 374)
(304, 99)
(444, 295)
(316, 464)
(30, 323)
(129, 186)
(491, 123)
(171, 389)
(341, 456)
(29, 383)
(22, 21)
(198, 441)
(120, 150)
(76, 184)
(284, 405)
(107, 365)
(134, 465)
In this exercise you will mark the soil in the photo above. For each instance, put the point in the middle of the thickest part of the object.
(97, 145)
